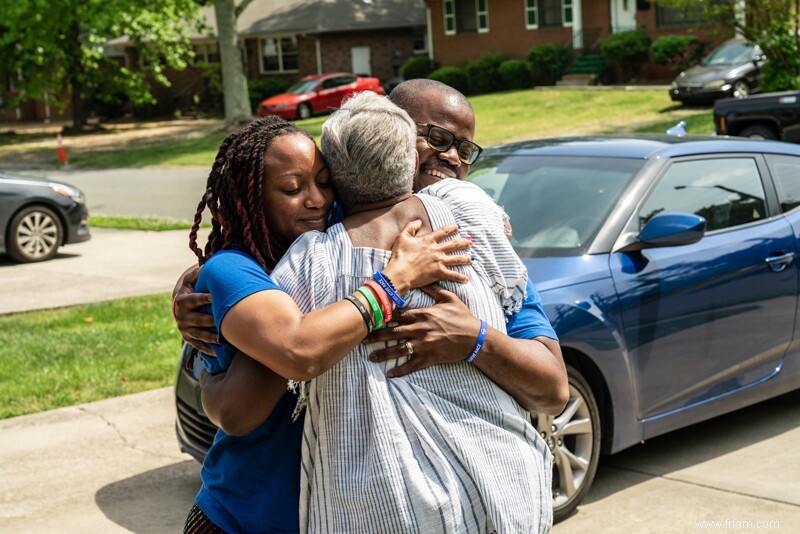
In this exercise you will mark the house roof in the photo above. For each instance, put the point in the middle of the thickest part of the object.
(264, 17)
(317, 16)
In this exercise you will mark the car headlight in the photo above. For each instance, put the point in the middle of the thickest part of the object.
(716, 84)
(674, 85)
(72, 192)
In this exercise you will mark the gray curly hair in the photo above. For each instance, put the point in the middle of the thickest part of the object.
(370, 146)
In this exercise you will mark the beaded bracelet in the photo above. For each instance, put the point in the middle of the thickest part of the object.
(362, 310)
(377, 314)
(383, 300)
(387, 286)
(476, 349)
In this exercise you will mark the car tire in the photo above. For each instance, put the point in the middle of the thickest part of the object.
(303, 112)
(573, 435)
(740, 89)
(758, 131)
(35, 233)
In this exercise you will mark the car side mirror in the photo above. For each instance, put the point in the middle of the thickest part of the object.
(667, 230)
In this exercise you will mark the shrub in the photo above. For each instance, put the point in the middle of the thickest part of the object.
(515, 74)
(548, 62)
(455, 77)
(417, 67)
(627, 51)
(679, 52)
(263, 88)
(483, 75)
(778, 78)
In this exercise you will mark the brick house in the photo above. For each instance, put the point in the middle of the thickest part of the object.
(463, 30)
(295, 38)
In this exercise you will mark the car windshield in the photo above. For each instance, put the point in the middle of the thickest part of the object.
(302, 87)
(556, 203)
(732, 54)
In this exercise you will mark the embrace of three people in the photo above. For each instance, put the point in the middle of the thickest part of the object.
(372, 344)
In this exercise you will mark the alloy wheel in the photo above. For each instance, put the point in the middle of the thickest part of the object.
(573, 438)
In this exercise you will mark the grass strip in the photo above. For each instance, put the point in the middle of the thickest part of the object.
(152, 224)
(57, 358)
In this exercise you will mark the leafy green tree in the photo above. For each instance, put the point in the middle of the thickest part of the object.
(56, 47)
(774, 25)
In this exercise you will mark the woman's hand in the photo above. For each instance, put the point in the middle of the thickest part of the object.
(442, 333)
(420, 261)
(196, 327)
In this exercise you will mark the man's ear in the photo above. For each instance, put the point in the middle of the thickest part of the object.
(416, 162)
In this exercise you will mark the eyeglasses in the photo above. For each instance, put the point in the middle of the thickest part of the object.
(441, 140)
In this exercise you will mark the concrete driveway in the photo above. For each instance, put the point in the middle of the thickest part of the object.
(114, 466)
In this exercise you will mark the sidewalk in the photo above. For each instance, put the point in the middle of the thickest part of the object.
(113, 264)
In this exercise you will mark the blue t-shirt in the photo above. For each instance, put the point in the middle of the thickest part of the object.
(250, 483)
(530, 321)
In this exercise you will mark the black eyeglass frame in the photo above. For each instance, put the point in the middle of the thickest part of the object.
(454, 141)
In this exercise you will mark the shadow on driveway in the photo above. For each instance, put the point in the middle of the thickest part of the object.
(152, 502)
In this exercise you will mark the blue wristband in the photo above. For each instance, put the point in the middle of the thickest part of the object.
(386, 285)
(476, 349)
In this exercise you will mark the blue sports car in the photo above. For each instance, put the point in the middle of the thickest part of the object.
(668, 266)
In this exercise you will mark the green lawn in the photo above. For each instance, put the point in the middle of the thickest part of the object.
(63, 357)
(501, 118)
(152, 224)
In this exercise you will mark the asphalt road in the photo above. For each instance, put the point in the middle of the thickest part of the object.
(147, 192)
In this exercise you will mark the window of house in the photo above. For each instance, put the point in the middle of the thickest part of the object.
(678, 16)
(548, 13)
(725, 191)
(206, 53)
(466, 16)
(786, 174)
(279, 54)
(419, 40)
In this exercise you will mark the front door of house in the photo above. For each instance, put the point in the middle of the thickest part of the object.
(623, 15)
(362, 63)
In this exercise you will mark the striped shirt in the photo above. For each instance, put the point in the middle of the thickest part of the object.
(441, 450)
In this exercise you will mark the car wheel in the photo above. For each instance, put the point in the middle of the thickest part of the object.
(35, 233)
(740, 89)
(758, 131)
(574, 439)
(303, 111)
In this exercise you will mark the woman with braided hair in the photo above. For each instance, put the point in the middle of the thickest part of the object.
(268, 185)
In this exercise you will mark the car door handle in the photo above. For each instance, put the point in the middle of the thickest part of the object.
(779, 263)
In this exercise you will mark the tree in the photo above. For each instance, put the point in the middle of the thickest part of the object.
(771, 24)
(234, 79)
(56, 47)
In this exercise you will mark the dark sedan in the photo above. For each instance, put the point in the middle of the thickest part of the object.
(668, 267)
(38, 216)
(733, 69)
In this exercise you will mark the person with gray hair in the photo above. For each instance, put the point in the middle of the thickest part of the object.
(361, 174)
(440, 450)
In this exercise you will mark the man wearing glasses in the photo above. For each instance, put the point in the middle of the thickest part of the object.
(526, 362)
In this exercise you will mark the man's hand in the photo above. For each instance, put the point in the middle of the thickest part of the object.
(195, 327)
(443, 333)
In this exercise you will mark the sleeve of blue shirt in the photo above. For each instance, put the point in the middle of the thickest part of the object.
(230, 276)
(530, 321)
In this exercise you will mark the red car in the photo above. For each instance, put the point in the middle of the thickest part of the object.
(317, 94)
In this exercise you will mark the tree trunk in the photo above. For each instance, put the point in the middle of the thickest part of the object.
(234, 80)
(76, 83)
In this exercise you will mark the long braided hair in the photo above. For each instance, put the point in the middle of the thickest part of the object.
(234, 194)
